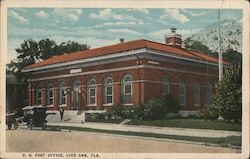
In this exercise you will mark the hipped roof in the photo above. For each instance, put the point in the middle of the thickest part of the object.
(122, 47)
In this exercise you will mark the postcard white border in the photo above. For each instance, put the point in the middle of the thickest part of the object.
(240, 4)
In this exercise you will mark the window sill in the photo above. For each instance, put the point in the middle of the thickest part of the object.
(130, 104)
(109, 104)
(49, 106)
(62, 105)
(91, 105)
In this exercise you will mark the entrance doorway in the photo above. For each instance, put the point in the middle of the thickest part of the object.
(76, 95)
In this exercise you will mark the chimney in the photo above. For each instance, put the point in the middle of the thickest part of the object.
(173, 39)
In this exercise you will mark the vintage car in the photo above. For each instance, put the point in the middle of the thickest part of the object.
(35, 116)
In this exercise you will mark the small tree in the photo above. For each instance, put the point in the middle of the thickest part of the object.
(228, 97)
(155, 109)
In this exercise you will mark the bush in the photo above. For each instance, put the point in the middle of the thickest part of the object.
(116, 110)
(209, 112)
(139, 113)
(128, 112)
(171, 104)
(155, 109)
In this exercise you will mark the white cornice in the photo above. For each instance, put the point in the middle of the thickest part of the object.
(121, 69)
(180, 57)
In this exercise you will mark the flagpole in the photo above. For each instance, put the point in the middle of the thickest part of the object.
(220, 62)
(220, 53)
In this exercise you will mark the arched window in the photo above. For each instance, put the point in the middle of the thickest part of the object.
(127, 88)
(62, 94)
(182, 94)
(75, 95)
(38, 95)
(196, 93)
(108, 91)
(165, 86)
(50, 96)
(209, 92)
(91, 92)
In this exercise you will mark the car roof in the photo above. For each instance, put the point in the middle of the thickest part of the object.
(32, 107)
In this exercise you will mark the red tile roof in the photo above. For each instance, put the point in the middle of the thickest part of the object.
(121, 47)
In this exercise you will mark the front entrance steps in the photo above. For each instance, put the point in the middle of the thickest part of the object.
(125, 121)
(71, 116)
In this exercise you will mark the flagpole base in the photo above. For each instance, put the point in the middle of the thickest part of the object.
(220, 118)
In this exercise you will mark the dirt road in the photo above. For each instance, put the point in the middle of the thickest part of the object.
(23, 140)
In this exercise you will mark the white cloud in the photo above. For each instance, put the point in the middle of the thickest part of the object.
(128, 31)
(107, 14)
(120, 23)
(70, 14)
(42, 14)
(192, 13)
(18, 17)
(141, 10)
(175, 15)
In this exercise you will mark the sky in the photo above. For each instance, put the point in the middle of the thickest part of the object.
(105, 26)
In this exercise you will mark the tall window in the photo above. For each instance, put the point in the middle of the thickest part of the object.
(50, 96)
(38, 95)
(209, 92)
(91, 91)
(182, 96)
(165, 86)
(196, 94)
(127, 88)
(108, 91)
(62, 94)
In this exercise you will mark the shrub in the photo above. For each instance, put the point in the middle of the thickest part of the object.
(116, 110)
(209, 112)
(171, 104)
(139, 113)
(128, 112)
(155, 109)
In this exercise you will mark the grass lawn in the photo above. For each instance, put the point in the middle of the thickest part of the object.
(115, 121)
(231, 141)
(190, 123)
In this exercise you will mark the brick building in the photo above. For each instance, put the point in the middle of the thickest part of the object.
(127, 73)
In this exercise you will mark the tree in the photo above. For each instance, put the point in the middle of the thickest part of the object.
(228, 97)
(198, 46)
(28, 53)
(46, 48)
(232, 56)
(69, 47)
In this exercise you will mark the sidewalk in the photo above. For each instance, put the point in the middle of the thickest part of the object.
(152, 129)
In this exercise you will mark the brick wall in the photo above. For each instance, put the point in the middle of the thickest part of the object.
(149, 85)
